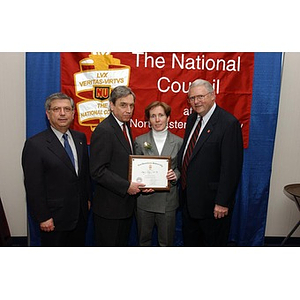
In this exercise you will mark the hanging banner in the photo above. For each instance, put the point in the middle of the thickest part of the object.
(89, 78)
(166, 76)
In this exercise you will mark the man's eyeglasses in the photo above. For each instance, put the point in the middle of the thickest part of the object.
(59, 109)
(197, 97)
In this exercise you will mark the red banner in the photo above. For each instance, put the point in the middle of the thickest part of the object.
(89, 77)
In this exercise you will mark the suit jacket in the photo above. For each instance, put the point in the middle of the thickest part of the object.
(160, 201)
(53, 188)
(215, 166)
(109, 165)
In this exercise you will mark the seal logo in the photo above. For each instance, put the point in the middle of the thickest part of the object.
(99, 74)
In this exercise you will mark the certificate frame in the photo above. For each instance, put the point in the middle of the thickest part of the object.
(150, 170)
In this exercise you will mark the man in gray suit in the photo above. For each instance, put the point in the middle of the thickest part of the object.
(158, 208)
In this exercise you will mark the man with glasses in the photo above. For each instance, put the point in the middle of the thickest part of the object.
(211, 160)
(56, 176)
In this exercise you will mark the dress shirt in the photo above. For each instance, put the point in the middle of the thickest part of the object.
(121, 126)
(205, 119)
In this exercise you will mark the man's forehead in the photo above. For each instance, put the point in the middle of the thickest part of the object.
(56, 101)
(198, 88)
(126, 99)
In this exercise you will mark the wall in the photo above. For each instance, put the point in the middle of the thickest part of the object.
(282, 212)
(12, 136)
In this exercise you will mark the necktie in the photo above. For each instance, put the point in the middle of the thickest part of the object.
(188, 153)
(68, 148)
(126, 136)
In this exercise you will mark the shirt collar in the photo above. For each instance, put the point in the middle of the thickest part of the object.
(118, 121)
(209, 114)
(60, 134)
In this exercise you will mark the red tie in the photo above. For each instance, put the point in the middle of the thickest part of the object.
(126, 136)
(188, 153)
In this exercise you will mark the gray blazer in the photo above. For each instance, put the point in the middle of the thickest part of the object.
(160, 201)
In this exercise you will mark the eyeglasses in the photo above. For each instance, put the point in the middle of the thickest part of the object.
(59, 109)
(197, 97)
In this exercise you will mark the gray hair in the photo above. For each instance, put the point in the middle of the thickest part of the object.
(199, 82)
(120, 92)
(56, 96)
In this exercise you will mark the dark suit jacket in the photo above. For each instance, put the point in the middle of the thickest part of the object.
(160, 202)
(215, 167)
(109, 164)
(53, 188)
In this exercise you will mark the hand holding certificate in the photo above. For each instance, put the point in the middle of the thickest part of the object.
(150, 170)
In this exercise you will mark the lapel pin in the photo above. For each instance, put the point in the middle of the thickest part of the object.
(80, 143)
(208, 131)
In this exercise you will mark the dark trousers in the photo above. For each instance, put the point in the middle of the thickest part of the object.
(69, 238)
(208, 232)
(5, 238)
(112, 232)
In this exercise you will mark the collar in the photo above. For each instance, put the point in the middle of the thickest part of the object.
(60, 134)
(160, 133)
(118, 121)
(209, 114)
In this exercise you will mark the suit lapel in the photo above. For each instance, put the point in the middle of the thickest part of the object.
(168, 146)
(152, 142)
(119, 133)
(189, 127)
(55, 146)
(206, 132)
(79, 149)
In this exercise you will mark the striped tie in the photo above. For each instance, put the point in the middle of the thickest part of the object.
(188, 153)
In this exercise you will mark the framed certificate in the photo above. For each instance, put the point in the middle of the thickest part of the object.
(150, 170)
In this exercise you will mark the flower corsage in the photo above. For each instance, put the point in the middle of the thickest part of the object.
(147, 146)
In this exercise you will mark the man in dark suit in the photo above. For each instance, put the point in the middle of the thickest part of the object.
(211, 163)
(114, 199)
(57, 183)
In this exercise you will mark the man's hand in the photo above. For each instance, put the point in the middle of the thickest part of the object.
(220, 211)
(134, 188)
(47, 225)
